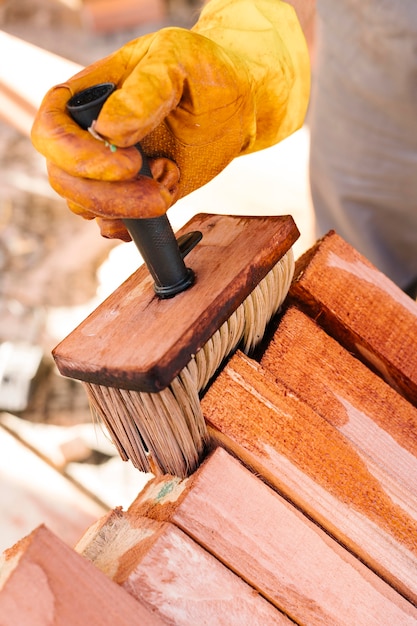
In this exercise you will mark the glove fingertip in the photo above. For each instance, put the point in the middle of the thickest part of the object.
(113, 229)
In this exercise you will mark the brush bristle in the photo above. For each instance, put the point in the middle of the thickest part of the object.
(165, 432)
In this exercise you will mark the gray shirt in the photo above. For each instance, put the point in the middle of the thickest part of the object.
(363, 122)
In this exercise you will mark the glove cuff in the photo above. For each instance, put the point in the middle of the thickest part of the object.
(265, 36)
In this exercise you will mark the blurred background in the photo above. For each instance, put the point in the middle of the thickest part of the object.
(56, 467)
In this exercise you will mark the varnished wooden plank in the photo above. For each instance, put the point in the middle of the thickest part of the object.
(317, 467)
(361, 308)
(173, 575)
(270, 544)
(44, 582)
(380, 423)
(134, 340)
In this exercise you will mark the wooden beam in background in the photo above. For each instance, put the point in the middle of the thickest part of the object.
(26, 74)
(43, 581)
(174, 576)
(32, 492)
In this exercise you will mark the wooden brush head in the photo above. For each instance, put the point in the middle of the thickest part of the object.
(136, 341)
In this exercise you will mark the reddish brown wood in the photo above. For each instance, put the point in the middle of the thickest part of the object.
(44, 582)
(361, 308)
(167, 571)
(270, 544)
(136, 341)
(346, 393)
(319, 468)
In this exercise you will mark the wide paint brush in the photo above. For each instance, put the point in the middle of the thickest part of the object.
(145, 355)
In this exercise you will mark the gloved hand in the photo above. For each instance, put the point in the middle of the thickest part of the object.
(235, 83)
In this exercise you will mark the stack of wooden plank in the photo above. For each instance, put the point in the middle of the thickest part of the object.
(305, 510)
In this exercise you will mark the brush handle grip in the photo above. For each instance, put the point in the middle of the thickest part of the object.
(154, 236)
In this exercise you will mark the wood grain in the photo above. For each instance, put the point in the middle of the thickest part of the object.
(318, 467)
(271, 545)
(174, 576)
(379, 422)
(22, 89)
(361, 308)
(136, 341)
(43, 582)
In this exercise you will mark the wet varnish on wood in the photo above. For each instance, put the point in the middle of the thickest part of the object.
(318, 466)
(361, 308)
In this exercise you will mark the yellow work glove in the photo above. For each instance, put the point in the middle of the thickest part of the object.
(195, 99)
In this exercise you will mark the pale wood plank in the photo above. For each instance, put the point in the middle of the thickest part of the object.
(317, 467)
(172, 575)
(44, 582)
(21, 88)
(361, 308)
(281, 553)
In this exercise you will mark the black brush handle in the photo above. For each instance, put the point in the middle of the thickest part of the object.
(153, 236)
